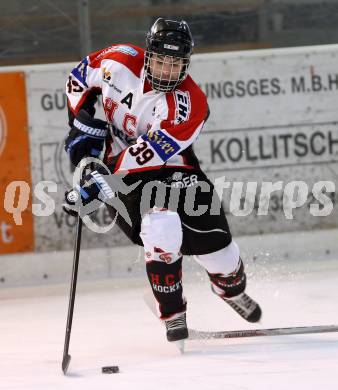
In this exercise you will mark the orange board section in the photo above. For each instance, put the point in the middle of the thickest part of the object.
(16, 226)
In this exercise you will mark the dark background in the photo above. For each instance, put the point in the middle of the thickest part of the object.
(44, 31)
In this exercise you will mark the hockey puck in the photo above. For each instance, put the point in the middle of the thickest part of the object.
(110, 370)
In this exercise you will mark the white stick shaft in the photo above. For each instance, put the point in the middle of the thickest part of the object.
(198, 335)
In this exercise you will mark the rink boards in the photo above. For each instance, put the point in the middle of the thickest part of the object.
(273, 119)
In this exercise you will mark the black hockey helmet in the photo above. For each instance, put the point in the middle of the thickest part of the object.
(171, 41)
(170, 37)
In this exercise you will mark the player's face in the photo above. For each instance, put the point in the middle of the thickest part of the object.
(166, 68)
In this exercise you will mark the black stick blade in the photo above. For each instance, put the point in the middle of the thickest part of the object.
(65, 363)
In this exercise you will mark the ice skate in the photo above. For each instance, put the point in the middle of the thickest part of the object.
(177, 328)
(245, 306)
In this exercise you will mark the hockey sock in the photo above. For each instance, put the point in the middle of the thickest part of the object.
(166, 283)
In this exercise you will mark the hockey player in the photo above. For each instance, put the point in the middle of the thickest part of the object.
(155, 112)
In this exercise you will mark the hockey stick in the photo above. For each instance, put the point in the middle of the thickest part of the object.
(77, 246)
(66, 357)
(231, 334)
(205, 335)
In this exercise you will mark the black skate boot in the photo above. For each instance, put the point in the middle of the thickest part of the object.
(177, 328)
(245, 306)
(231, 289)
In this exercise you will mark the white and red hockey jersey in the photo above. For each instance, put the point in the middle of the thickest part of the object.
(149, 129)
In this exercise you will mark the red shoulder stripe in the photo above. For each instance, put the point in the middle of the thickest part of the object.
(129, 55)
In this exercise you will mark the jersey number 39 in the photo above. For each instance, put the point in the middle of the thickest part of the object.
(142, 153)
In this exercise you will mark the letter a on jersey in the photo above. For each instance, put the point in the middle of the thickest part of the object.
(128, 100)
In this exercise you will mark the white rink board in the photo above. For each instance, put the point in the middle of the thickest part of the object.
(48, 127)
(273, 117)
(259, 88)
(310, 251)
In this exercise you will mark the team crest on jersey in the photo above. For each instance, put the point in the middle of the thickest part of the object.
(183, 106)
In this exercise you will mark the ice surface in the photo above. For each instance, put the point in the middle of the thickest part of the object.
(113, 326)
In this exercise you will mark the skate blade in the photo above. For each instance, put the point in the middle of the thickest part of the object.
(180, 346)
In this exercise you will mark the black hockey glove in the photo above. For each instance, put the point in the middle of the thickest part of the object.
(96, 189)
(88, 196)
(86, 138)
